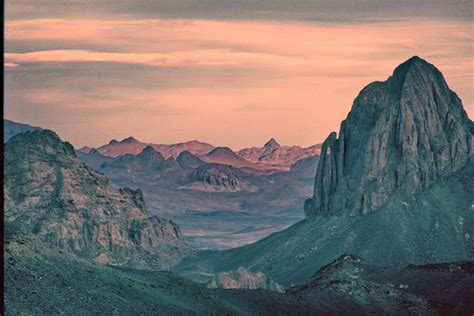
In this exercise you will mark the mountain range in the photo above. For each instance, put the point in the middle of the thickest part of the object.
(220, 205)
(271, 157)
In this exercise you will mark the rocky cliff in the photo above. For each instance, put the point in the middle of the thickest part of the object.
(51, 193)
(244, 279)
(400, 136)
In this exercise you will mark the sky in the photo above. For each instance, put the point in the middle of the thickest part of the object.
(229, 72)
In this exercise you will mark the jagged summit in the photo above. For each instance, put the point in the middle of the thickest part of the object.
(129, 140)
(271, 143)
(401, 135)
(151, 155)
(221, 151)
(187, 159)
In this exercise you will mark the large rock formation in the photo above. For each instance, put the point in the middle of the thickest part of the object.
(51, 193)
(244, 279)
(400, 136)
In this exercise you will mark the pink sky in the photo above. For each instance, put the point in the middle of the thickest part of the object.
(228, 82)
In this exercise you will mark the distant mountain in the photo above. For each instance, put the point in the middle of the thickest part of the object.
(395, 187)
(74, 208)
(187, 188)
(225, 155)
(148, 166)
(306, 166)
(218, 178)
(11, 128)
(273, 154)
(133, 146)
(187, 160)
(93, 158)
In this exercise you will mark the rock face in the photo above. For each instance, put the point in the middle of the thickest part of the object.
(400, 136)
(11, 128)
(51, 193)
(244, 279)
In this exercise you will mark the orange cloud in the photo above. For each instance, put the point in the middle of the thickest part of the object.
(316, 69)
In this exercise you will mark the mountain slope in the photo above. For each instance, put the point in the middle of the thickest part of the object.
(422, 215)
(51, 193)
(11, 128)
(41, 279)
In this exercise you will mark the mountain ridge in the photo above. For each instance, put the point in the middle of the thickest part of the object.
(51, 193)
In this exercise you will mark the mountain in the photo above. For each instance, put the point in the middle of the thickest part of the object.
(396, 187)
(149, 166)
(225, 155)
(218, 178)
(11, 128)
(401, 136)
(187, 160)
(277, 156)
(215, 205)
(49, 192)
(195, 147)
(93, 158)
(133, 146)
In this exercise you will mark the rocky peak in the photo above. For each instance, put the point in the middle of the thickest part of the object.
(51, 193)
(150, 154)
(130, 140)
(187, 159)
(400, 136)
(272, 143)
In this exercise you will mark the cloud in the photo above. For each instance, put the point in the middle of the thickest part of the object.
(10, 65)
(283, 10)
(233, 82)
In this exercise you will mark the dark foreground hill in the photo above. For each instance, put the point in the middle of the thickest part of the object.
(42, 279)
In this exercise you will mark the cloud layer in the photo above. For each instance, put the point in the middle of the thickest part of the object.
(233, 82)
